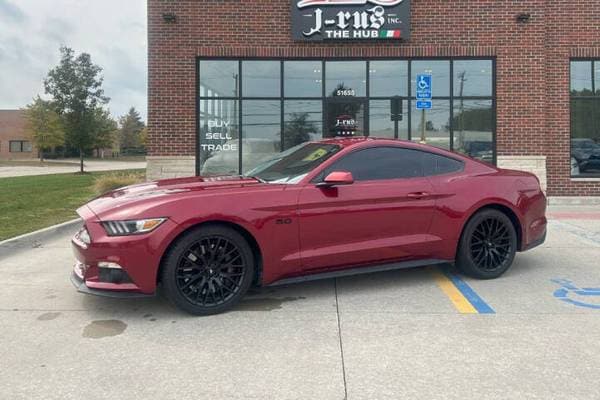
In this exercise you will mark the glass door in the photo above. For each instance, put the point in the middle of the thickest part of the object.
(345, 117)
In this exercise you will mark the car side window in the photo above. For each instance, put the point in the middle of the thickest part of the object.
(435, 164)
(379, 163)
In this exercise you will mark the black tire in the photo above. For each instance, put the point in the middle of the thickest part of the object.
(487, 246)
(208, 270)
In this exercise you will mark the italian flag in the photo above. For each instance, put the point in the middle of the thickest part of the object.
(391, 34)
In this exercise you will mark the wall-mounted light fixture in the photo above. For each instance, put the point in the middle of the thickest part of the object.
(170, 18)
(523, 18)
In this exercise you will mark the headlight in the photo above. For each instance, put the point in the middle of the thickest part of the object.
(136, 227)
(84, 236)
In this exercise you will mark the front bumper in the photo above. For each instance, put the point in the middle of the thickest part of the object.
(135, 259)
(81, 287)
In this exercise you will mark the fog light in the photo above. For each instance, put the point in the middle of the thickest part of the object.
(109, 265)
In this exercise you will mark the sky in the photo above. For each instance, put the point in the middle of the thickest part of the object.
(113, 32)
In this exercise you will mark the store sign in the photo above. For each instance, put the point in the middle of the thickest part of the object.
(317, 20)
(345, 125)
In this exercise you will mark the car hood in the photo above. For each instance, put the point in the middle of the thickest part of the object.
(147, 195)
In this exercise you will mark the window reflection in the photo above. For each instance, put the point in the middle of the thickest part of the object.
(261, 131)
(585, 137)
(274, 120)
(303, 120)
(581, 78)
(261, 78)
(346, 78)
(473, 128)
(219, 78)
(380, 120)
(440, 72)
(473, 78)
(303, 78)
(388, 78)
(219, 137)
(432, 127)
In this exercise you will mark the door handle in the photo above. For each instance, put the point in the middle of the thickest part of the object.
(417, 195)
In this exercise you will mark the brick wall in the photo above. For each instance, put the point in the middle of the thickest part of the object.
(532, 64)
(12, 127)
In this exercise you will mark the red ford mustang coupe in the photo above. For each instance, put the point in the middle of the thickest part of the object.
(318, 210)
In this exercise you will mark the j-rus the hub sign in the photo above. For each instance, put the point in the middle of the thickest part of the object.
(316, 20)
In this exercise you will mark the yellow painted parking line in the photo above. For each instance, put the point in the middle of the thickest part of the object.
(460, 302)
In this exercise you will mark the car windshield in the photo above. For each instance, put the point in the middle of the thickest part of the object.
(293, 164)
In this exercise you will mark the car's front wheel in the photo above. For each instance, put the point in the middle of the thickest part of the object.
(208, 270)
(488, 245)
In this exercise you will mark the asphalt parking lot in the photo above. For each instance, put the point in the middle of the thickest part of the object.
(394, 335)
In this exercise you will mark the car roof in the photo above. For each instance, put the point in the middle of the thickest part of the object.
(355, 141)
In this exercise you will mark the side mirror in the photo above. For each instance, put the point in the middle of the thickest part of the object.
(337, 178)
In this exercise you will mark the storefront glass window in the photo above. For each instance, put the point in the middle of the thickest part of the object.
(432, 127)
(219, 78)
(261, 131)
(473, 129)
(381, 123)
(597, 77)
(585, 119)
(581, 78)
(303, 78)
(440, 76)
(219, 137)
(261, 78)
(249, 111)
(473, 78)
(346, 78)
(303, 121)
(388, 78)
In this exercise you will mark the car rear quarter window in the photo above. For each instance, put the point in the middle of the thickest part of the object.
(379, 163)
(435, 164)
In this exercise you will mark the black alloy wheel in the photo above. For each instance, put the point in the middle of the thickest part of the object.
(208, 270)
(488, 245)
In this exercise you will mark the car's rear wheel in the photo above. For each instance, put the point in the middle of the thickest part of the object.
(488, 245)
(208, 270)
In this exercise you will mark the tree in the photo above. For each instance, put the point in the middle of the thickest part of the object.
(76, 87)
(44, 126)
(144, 137)
(297, 130)
(130, 133)
(105, 129)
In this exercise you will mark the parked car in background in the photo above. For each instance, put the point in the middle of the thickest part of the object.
(318, 210)
(587, 154)
(481, 150)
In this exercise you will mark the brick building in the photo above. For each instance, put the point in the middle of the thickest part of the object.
(14, 143)
(513, 82)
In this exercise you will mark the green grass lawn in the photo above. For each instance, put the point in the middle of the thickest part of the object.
(30, 203)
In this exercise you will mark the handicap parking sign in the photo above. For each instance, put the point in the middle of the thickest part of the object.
(423, 86)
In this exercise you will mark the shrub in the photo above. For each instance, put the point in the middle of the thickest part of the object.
(106, 183)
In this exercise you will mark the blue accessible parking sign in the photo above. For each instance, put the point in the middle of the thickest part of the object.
(423, 92)
(424, 87)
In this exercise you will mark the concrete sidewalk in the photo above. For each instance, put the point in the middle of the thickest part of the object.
(392, 335)
(90, 166)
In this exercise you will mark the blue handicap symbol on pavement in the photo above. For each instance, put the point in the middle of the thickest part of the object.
(581, 297)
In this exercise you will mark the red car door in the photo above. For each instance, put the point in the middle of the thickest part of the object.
(383, 216)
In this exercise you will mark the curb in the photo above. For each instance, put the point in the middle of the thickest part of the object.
(35, 239)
